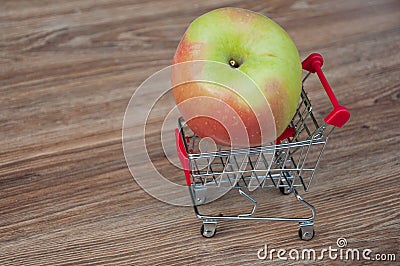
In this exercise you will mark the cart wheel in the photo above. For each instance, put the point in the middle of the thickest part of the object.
(306, 233)
(285, 190)
(208, 230)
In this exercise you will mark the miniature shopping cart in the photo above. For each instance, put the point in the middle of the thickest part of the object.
(289, 164)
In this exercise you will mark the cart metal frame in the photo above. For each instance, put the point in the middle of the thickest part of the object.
(289, 164)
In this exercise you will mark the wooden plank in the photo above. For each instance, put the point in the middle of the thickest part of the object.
(67, 72)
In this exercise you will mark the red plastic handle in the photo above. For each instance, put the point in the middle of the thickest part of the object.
(340, 114)
(183, 157)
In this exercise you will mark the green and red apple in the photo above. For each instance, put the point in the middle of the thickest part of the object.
(247, 43)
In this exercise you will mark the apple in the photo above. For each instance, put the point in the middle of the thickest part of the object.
(249, 44)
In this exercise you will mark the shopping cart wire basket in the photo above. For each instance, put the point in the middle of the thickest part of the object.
(289, 164)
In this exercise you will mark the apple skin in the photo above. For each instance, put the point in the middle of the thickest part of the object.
(261, 50)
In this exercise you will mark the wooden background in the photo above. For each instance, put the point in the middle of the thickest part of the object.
(67, 72)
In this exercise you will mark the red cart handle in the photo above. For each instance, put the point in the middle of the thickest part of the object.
(340, 114)
(182, 154)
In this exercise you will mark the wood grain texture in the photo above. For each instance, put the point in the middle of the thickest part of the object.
(67, 72)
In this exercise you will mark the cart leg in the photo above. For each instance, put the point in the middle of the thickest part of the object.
(286, 184)
(252, 201)
(306, 231)
(308, 205)
(208, 228)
